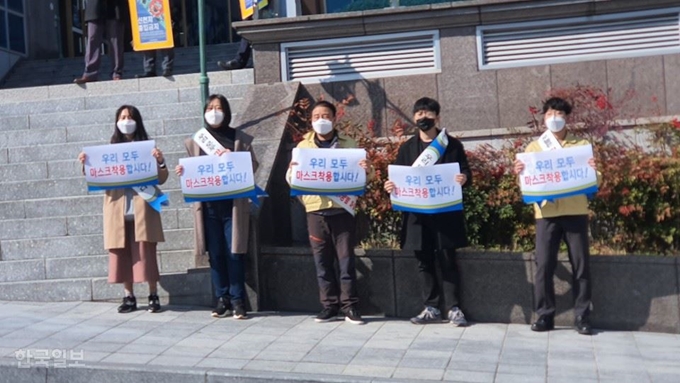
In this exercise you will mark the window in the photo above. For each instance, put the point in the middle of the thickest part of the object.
(3, 29)
(12, 26)
(16, 5)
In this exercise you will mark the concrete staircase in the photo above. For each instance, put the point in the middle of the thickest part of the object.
(31, 73)
(51, 244)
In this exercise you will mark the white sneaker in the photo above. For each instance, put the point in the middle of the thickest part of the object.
(457, 318)
(429, 315)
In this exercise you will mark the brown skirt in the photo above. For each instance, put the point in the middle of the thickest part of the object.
(134, 263)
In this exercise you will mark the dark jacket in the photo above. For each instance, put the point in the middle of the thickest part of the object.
(106, 10)
(447, 229)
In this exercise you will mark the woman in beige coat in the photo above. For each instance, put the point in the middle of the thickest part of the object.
(132, 228)
(221, 227)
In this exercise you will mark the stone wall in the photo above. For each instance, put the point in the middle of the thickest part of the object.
(629, 292)
(474, 103)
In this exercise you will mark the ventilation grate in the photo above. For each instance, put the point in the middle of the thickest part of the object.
(354, 58)
(579, 39)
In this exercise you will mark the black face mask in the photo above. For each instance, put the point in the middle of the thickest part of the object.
(425, 123)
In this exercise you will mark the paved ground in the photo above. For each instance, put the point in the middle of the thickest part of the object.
(91, 342)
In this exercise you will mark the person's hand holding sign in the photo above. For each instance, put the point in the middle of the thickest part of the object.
(389, 186)
(519, 167)
(461, 179)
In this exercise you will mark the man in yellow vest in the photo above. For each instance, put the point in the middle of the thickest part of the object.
(331, 226)
(564, 218)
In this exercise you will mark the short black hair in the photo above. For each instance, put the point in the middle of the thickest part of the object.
(427, 104)
(556, 103)
(325, 104)
(139, 134)
(226, 109)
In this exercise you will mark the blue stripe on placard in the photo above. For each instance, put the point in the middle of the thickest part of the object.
(252, 194)
(551, 197)
(247, 194)
(412, 209)
(100, 187)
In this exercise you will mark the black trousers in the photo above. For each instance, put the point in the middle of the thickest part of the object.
(439, 274)
(244, 51)
(331, 238)
(549, 233)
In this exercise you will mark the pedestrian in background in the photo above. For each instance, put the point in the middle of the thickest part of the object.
(104, 17)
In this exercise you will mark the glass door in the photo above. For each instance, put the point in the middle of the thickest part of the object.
(72, 27)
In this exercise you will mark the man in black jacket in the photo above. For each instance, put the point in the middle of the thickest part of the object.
(434, 238)
(101, 16)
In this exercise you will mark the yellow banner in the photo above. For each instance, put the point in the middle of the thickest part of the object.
(151, 24)
(248, 6)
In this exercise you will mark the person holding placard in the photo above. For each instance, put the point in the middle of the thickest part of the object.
(221, 227)
(331, 225)
(563, 218)
(132, 227)
(434, 238)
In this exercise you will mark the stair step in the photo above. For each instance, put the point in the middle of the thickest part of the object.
(190, 286)
(33, 73)
(84, 267)
(126, 86)
(82, 245)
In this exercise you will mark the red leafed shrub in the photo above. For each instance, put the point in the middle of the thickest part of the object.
(637, 208)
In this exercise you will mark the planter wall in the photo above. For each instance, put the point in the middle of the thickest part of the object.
(629, 292)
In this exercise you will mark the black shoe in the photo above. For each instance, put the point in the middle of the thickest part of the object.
(232, 64)
(154, 304)
(222, 309)
(145, 75)
(129, 305)
(544, 323)
(240, 312)
(582, 325)
(167, 72)
(352, 316)
(326, 315)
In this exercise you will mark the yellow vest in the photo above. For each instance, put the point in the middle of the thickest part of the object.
(576, 205)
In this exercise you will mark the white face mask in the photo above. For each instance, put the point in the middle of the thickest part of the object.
(127, 126)
(555, 123)
(322, 126)
(214, 117)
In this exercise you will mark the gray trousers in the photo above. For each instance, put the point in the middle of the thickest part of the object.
(549, 233)
(150, 60)
(115, 31)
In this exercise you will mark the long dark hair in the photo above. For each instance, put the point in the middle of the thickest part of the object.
(226, 109)
(139, 134)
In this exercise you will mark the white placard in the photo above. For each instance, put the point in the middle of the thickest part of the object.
(426, 189)
(329, 172)
(118, 166)
(559, 173)
(212, 178)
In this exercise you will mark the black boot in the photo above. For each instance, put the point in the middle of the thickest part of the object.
(544, 323)
(232, 64)
(582, 325)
